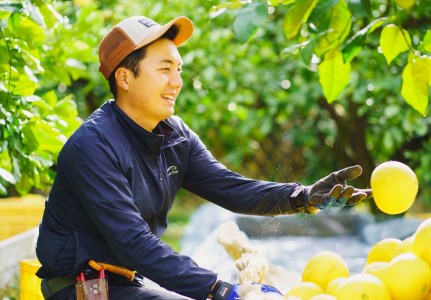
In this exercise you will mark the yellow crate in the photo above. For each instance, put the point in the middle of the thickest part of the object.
(19, 214)
(29, 282)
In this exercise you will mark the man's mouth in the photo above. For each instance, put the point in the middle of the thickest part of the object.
(169, 97)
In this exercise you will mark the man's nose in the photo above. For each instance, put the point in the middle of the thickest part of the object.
(176, 80)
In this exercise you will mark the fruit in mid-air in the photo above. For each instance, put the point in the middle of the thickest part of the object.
(323, 267)
(394, 187)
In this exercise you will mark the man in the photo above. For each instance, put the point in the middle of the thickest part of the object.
(118, 175)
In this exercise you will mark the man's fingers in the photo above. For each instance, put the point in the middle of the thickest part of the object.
(356, 198)
(348, 173)
(369, 192)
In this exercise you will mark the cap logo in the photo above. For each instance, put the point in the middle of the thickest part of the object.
(147, 22)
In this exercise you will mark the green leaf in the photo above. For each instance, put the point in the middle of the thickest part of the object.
(11, 6)
(393, 41)
(296, 16)
(360, 8)
(415, 88)
(406, 4)
(308, 51)
(426, 42)
(321, 9)
(354, 45)
(340, 22)
(7, 176)
(29, 140)
(249, 19)
(25, 86)
(334, 74)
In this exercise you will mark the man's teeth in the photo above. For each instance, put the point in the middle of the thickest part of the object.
(170, 97)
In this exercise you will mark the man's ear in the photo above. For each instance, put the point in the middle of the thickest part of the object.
(122, 78)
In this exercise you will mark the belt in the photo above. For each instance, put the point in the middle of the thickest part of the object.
(53, 285)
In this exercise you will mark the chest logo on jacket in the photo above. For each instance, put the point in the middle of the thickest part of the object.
(172, 170)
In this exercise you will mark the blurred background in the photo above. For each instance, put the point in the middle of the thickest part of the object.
(278, 90)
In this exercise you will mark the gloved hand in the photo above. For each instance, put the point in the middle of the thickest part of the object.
(332, 190)
(227, 291)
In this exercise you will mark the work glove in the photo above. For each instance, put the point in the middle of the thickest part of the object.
(332, 191)
(227, 291)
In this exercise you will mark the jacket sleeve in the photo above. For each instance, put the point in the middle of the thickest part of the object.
(94, 176)
(211, 180)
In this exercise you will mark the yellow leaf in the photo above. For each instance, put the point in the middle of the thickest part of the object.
(393, 41)
(297, 14)
(334, 74)
(406, 4)
(340, 22)
(427, 60)
(415, 88)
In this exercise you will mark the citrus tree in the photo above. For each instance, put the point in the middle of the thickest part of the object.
(278, 90)
(366, 66)
(41, 54)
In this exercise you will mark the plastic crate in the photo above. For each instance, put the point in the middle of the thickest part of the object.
(29, 282)
(20, 214)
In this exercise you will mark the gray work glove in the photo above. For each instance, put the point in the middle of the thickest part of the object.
(332, 190)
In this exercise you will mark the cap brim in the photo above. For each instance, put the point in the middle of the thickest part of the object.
(185, 31)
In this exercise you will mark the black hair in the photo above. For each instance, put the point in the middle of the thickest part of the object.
(131, 61)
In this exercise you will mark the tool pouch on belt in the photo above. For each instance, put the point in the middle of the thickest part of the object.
(93, 289)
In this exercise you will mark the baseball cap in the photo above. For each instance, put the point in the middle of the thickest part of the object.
(134, 33)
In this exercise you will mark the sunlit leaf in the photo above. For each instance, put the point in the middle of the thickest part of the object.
(11, 6)
(340, 22)
(321, 9)
(334, 74)
(30, 140)
(296, 16)
(250, 17)
(393, 41)
(354, 45)
(406, 4)
(427, 60)
(7, 176)
(415, 87)
(426, 42)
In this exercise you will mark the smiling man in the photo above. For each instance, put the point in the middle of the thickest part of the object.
(119, 173)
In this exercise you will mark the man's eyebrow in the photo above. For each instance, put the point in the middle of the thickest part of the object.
(169, 61)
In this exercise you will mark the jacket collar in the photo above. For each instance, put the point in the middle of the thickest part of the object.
(163, 136)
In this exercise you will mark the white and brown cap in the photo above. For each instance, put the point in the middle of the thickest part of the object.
(134, 33)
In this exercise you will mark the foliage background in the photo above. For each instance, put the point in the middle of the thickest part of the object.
(252, 88)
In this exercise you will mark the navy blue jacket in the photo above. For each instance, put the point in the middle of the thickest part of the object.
(115, 185)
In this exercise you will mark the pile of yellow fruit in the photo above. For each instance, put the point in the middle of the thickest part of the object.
(395, 270)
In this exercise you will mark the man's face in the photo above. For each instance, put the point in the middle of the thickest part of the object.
(150, 98)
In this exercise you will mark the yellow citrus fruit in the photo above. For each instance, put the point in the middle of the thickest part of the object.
(394, 187)
(383, 250)
(323, 297)
(363, 286)
(334, 284)
(376, 268)
(323, 267)
(303, 291)
(407, 277)
(406, 4)
(422, 241)
(405, 246)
